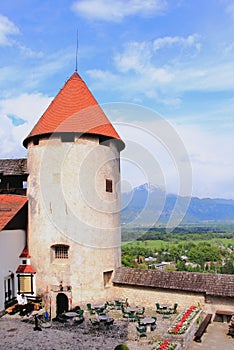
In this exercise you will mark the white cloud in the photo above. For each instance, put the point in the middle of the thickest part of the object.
(7, 28)
(34, 70)
(142, 69)
(168, 41)
(136, 56)
(229, 7)
(213, 77)
(174, 146)
(115, 11)
(209, 154)
(211, 157)
(29, 53)
(26, 107)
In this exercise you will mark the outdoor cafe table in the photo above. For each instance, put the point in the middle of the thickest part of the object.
(70, 315)
(98, 306)
(148, 321)
(164, 306)
(103, 318)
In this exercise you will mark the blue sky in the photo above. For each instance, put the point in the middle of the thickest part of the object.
(172, 57)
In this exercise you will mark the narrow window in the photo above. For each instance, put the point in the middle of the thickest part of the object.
(107, 278)
(109, 185)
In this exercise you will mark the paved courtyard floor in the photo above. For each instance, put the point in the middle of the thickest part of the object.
(215, 338)
(16, 334)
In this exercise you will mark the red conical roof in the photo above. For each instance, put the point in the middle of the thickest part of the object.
(74, 109)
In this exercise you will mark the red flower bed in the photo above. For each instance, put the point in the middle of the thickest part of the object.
(184, 319)
(165, 345)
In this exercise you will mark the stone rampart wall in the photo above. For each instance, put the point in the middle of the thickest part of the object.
(148, 297)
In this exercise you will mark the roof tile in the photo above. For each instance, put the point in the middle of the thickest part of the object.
(210, 284)
(74, 109)
(25, 253)
(25, 269)
(13, 166)
(9, 207)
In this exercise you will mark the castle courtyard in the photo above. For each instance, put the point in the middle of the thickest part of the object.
(18, 333)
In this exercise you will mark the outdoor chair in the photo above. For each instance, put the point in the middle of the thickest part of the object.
(110, 304)
(174, 309)
(90, 309)
(118, 304)
(124, 313)
(153, 326)
(140, 313)
(109, 322)
(139, 322)
(131, 316)
(158, 309)
(125, 303)
(141, 331)
(78, 320)
(101, 311)
(166, 312)
(94, 322)
(80, 312)
(75, 309)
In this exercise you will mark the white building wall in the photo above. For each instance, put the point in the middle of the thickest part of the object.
(12, 242)
(68, 204)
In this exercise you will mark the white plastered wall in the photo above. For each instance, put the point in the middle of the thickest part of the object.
(12, 242)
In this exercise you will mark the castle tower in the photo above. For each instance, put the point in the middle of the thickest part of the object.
(74, 198)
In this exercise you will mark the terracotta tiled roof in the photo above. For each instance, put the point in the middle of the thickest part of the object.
(13, 166)
(25, 269)
(74, 109)
(25, 253)
(9, 207)
(209, 284)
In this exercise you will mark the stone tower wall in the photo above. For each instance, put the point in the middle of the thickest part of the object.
(69, 205)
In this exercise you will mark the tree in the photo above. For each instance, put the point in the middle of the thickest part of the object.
(228, 268)
(203, 252)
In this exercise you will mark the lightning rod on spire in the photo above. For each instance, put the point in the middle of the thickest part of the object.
(76, 50)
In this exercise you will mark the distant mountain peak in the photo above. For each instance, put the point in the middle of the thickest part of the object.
(148, 187)
(148, 203)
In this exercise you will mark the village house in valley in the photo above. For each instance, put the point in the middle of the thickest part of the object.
(60, 226)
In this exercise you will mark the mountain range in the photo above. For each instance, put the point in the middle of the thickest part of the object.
(148, 205)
